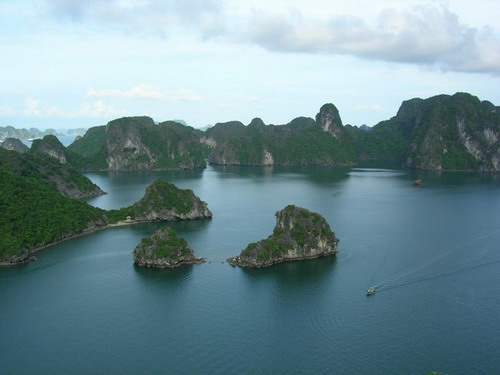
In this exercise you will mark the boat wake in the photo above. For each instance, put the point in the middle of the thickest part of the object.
(415, 275)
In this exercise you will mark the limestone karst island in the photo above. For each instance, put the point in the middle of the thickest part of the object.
(42, 186)
(299, 234)
(164, 249)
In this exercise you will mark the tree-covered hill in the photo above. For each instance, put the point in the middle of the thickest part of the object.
(33, 215)
(444, 132)
(303, 141)
(137, 143)
(61, 177)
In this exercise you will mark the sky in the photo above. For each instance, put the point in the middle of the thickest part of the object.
(81, 63)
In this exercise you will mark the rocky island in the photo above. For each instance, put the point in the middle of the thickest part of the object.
(164, 250)
(299, 234)
(163, 201)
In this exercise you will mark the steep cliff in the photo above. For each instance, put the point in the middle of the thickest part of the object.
(14, 144)
(299, 234)
(164, 201)
(137, 143)
(457, 132)
(329, 120)
(164, 250)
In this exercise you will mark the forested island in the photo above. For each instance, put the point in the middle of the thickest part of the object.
(35, 214)
(38, 184)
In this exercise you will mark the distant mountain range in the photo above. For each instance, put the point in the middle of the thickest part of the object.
(444, 132)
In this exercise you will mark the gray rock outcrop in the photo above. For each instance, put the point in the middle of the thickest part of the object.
(14, 144)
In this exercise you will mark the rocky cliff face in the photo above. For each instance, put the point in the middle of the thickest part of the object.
(164, 250)
(125, 146)
(299, 234)
(137, 143)
(51, 146)
(456, 132)
(329, 120)
(14, 144)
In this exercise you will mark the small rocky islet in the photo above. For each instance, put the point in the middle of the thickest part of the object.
(298, 234)
(164, 249)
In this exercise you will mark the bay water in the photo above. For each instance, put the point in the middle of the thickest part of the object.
(432, 252)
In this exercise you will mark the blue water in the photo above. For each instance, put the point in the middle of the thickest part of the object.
(433, 252)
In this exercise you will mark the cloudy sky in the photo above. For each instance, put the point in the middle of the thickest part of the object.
(81, 63)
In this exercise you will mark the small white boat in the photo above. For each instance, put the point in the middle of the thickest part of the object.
(371, 290)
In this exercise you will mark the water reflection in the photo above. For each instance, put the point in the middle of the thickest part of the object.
(291, 274)
(171, 277)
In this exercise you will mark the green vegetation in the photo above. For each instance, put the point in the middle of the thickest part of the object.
(61, 177)
(456, 132)
(137, 143)
(298, 143)
(34, 215)
(160, 195)
(298, 231)
(436, 133)
(164, 249)
(166, 244)
(89, 152)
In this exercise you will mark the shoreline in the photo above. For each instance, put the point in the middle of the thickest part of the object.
(30, 254)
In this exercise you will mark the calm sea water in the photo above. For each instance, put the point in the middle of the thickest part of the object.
(433, 251)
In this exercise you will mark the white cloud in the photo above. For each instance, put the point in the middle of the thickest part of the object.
(421, 35)
(401, 32)
(37, 108)
(137, 92)
(97, 109)
(143, 91)
(139, 16)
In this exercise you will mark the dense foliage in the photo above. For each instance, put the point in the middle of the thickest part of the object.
(33, 214)
(298, 230)
(137, 143)
(457, 132)
(163, 244)
(160, 195)
(298, 143)
(61, 177)
(89, 152)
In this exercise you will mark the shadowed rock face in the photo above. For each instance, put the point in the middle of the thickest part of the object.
(164, 250)
(14, 144)
(51, 146)
(329, 120)
(299, 234)
(457, 132)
